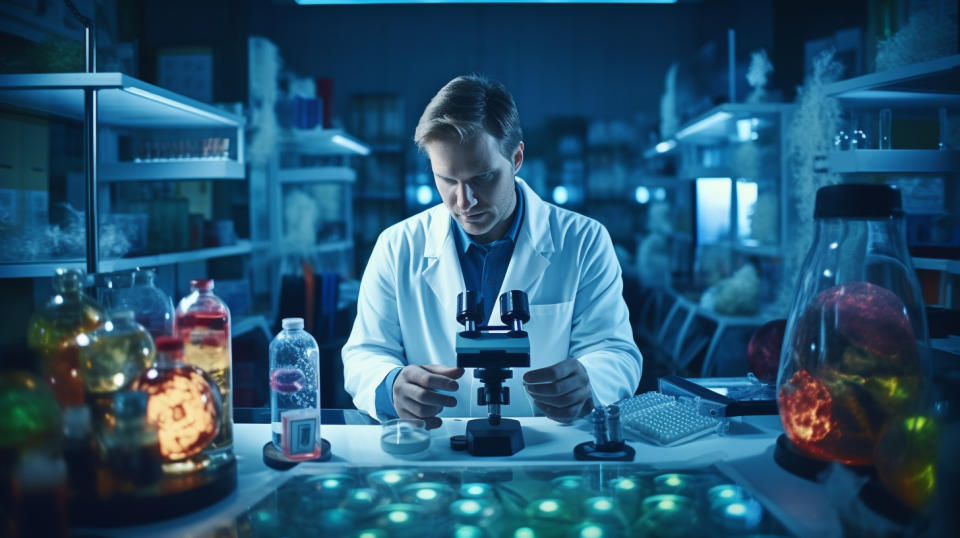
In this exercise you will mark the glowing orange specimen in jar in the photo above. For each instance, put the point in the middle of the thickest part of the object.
(184, 406)
(807, 411)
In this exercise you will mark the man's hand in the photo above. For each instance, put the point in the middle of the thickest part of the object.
(414, 391)
(561, 391)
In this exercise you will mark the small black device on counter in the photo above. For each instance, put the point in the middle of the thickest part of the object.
(492, 351)
(744, 396)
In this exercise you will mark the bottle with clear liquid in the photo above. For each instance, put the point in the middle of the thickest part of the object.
(295, 392)
(151, 307)
(118, 351)
(59, 329)
(203, 323)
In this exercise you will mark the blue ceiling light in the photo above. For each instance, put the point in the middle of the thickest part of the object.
(424, 194)
(641, 195)
(369, 2)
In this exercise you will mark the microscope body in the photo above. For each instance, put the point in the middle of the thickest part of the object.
(492, 351)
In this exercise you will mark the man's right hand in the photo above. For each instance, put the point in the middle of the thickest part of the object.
(414, 391)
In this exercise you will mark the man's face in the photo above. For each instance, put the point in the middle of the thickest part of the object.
(476, 183)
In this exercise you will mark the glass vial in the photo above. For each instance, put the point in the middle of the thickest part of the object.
(295, 392)
(203, 323)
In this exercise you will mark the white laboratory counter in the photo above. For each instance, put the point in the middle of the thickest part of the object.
(745, 453)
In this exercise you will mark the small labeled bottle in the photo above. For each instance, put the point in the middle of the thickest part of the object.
(57, 332)
(130, 450)
(184, 406)
(295, 392)
(203, 323)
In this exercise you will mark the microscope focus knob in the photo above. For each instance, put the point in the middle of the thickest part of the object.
(514, 307)
(469, 308)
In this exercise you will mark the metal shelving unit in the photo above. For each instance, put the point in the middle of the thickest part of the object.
(111, 103)
(894, 161)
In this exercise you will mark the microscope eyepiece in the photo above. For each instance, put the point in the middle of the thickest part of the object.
(469, 309)
(514, 309)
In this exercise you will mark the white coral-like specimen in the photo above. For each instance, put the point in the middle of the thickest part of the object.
(737, 295)
(815, 122)
(668, 104)
(757, 74)
(929, 34)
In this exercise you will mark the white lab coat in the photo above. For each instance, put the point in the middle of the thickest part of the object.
(406, 310)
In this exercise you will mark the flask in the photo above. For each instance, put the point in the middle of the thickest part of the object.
(117, 352)
(185, 407)
(295, 392)
(852, 357)
(203, 323)
(130, 449)
(151, 307)
(58, 330)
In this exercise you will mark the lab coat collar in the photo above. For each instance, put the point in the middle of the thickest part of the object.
(531, 254)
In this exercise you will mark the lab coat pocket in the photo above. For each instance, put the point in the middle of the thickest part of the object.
(549, 329)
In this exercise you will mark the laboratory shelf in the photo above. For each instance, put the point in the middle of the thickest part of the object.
(894, 161)
(46, 269)
(123, 101)
(171, 171)
(712, 125)
(316, 174)
(322, 142)
(926, 84)
(937, 264)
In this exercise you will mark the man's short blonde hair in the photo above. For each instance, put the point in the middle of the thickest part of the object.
(467, 106)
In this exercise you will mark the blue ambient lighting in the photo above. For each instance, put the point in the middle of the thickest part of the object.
(350, 2)
(642, 195)
(560, 195)
(424, 194)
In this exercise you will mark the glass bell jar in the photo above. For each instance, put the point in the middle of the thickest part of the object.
(852, 358)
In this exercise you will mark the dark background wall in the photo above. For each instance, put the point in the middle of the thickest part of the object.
(597, 61)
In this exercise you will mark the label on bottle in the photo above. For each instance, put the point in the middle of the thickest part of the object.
(301, 431)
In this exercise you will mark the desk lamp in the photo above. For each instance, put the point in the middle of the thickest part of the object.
(492, 351)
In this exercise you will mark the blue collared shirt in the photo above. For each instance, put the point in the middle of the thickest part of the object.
(483, 267)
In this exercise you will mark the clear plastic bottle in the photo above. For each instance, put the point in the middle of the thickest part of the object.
(852, 356)
(294, 389)
(58, 330)
(203, 323)
(151, 307)
(185, 407)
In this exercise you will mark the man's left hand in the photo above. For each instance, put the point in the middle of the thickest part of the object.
(561, 391)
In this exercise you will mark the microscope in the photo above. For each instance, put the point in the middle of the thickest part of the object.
(492, 351)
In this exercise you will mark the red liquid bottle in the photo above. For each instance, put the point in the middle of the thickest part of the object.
(203, 323)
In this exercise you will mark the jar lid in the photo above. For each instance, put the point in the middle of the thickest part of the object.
(202, 284)
(292, 324)
(858, 201)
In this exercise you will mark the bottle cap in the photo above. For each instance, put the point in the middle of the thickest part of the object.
(858, 201)
(202, 284)
(292, 324)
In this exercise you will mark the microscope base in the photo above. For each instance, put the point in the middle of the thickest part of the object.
(483, 439)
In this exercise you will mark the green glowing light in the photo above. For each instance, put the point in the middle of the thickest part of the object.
(592, 531)
(470, 507)
(727, 493)
(674, 480)
(331, 483)
(427, 494)
(467, 531)
(736, 509)
(549, 507)
(603, 505)
(524, 532)
(392, 477)
(626, 483)
(363, 496)
(368, 534)
(667, 504)
(398, 517)
(570, 484)
(475, 490)
(915, 423)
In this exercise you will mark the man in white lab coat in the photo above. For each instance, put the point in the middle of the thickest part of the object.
(491, 234)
